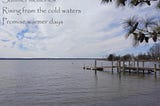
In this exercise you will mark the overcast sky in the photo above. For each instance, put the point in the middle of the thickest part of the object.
(95, 32)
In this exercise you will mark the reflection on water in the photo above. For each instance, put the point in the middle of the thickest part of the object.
(64, 82)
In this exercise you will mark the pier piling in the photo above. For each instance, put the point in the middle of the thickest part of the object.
(123, 67)
(143, 66)
(155, 70)
(112, 66)
(95, 65)
(138, 67)
(119, 66)
(129, 64)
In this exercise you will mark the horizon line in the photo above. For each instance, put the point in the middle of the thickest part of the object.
(55, 58)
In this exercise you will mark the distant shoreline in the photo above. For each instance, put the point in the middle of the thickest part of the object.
(49, 58)
(103, 59)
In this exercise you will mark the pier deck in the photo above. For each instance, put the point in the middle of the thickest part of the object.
(125, 68)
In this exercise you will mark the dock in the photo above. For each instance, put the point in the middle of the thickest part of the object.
(127, 66)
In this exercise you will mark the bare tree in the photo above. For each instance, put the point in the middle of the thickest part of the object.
(154, 51)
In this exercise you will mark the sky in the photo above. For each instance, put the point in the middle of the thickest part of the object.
(95, 31)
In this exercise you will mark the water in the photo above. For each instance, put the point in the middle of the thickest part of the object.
(65, 83)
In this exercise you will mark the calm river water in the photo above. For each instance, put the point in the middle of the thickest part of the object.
(65, 83)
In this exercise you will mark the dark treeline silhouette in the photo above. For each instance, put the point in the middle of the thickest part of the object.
(113, 57)
(152, 54)
(127, 57)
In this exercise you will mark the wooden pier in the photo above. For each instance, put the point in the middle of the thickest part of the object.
(131, 66)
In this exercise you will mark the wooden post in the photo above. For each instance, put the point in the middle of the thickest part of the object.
(117, 66)
(123, 66)
(112, 66)
(138, 66)
(119, 69)
(155, 70)
(129, 66)
(84, 67)
(95, 65)
(143, 66)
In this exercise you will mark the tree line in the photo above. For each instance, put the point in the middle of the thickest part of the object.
(152, 54)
